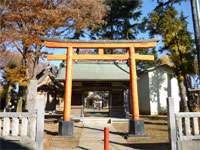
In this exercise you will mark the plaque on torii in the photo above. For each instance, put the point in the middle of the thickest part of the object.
(101, 45)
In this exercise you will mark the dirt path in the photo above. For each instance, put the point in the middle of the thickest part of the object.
(89, 136)
(54, 142)
(93, 135)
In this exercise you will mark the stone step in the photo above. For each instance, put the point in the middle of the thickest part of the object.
(119, 120)
(96, 119)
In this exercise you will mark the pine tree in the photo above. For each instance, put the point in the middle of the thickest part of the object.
(121, 21)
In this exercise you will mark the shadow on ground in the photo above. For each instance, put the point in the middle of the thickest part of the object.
(145, 146)
(141, 146)
(50, 132)
(80, 147)
(117, 133)
(11, 145)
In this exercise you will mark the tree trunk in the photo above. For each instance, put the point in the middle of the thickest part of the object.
(31, 95)
(196, 29)
(183, 95)
(8, 98)
(19, 105)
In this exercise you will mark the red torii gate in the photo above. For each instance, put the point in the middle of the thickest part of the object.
(131, 56)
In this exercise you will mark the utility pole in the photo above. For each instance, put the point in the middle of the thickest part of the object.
(198, 12)
(196, 25)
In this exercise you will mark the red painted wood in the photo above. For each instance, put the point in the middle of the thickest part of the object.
(106, 139)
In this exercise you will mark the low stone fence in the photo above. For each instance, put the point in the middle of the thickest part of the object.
(18, 125)
(188, 125)
(184, 128)
(25, 127)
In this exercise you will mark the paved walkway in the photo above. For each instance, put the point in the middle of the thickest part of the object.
(92, 136)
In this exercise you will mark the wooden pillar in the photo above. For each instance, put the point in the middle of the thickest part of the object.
(133, 84)
(110, 103)
(68, 84)
(101, 51)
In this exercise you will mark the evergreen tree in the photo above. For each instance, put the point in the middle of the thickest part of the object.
(121, 21)
(166, 21)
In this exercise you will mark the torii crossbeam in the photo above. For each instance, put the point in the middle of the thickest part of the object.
(101, 45)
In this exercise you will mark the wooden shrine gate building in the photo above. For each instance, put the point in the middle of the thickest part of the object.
(136, 125)
(91, 80)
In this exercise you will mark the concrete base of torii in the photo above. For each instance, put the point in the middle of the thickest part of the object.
(136, 128)
(66, 128)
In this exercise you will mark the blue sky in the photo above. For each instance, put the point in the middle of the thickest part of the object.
(147, 7)
(185, 7)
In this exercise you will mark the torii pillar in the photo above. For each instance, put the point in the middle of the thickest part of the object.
(136, 125)
(66, 125)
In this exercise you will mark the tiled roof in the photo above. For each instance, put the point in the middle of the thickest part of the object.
(103, 71)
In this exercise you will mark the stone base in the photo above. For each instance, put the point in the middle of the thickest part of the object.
(136, 128)
(66, 128)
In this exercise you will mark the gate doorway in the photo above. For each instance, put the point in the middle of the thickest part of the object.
(96, 104)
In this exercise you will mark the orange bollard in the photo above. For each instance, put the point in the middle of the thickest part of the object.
(106, 139)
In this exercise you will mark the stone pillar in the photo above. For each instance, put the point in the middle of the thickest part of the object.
(31, 95)
(40, 108)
